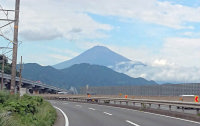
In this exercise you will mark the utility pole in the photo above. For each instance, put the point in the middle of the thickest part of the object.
(2, 73)
(20, 76)
(15, 46)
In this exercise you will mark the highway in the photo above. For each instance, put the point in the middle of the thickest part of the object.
(84, 114)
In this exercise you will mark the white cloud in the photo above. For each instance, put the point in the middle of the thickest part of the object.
(153, 11)
(161, 62)
(56, 18)
(59, 57)
(65, 52)
(184, 51)
(164, 73)
(44, 59)
(191, 34)
(180, 51)
(48, 19)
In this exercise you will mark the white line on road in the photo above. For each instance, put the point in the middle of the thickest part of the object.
(91, 108)
(65, 103)
(151, 114)
(78, 105)
(132, 123)
(107, 113)
(172, 117)
(65, 116)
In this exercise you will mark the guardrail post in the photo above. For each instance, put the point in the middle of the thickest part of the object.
(170, 107)
(133, 103)
(126, 102)
(158, 106)
(183, 109)
(149, 105)
(114, 102)
(198, 111)
(120, 102)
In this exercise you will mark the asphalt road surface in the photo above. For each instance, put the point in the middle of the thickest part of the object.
(84, 114)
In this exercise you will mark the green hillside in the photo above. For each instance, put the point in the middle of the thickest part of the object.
(80, 75)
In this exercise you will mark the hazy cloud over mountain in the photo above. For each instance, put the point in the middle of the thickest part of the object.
(160, 71)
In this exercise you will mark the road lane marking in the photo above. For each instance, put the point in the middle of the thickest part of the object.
(65, 103)
(150, 113)
(78, 105)
(107, 113)
(173, 117)
(132, 123)
(65, 116)
(91, 108)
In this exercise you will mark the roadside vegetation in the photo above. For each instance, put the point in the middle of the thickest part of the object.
(7, 66)
(25, 111)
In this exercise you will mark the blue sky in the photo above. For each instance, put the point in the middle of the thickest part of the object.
(193, 3)
(125, 30)
(156, 32)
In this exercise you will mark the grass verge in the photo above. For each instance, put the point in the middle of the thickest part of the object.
(25, 111)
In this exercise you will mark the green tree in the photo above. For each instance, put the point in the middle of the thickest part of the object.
(7, 66)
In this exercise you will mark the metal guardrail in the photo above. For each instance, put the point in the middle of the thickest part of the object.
(107, 100)
(35, 83)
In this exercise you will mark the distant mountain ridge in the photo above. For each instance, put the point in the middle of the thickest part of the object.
(98, 55)
(80, 75)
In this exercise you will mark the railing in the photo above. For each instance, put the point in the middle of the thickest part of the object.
(34, 83)
(127, 101)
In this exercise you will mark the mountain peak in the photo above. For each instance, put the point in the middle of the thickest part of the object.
(99, 55)
(99, 47)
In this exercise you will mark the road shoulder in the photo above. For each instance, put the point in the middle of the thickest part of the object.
(60, 121)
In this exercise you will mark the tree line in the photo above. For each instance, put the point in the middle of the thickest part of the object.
(7, 65)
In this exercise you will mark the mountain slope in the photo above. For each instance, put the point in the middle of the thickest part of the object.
(95, 75)
(98, 55)
(45, 74)
(80, 75)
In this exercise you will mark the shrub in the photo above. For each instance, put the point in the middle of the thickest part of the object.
(27, 110)
(6, 120)
(27, 104)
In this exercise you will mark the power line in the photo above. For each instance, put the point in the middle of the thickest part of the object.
(5, 10)
(5, 48)
(7, 16)
(10, 21)
(5, 37)
(6, 24)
